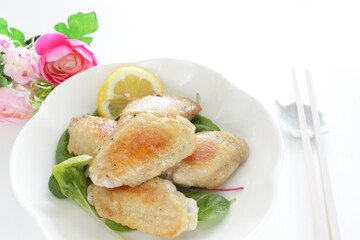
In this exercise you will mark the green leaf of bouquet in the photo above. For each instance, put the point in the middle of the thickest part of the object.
(79, 25)
(12, 33)
(36, 105)
(3, 81)
(18, 35)
(31, 40)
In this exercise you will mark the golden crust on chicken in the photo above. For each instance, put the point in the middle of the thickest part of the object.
(88, 133)
(217, 156)
(163, 106)
(154, 207)
(141, 148)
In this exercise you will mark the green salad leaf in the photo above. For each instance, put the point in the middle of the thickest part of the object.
(192, 193)
(210, 205)
(12, 33)
(62, 153)
(54, 187)
(70, 175)
(117, 226)
(204, 124)
(70, 179)
(96, 113)
(80, 24)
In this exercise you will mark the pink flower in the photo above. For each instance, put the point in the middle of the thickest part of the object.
(61, 58)
(22, 65)
(6, 45)
(13, 106)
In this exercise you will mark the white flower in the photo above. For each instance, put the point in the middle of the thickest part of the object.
(6, 47)
(22, 65)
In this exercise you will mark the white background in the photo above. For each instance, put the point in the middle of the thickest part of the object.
(252, 43)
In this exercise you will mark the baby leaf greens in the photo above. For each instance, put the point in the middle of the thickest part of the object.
(204, 124)
(72, 181)
(61, 155)
(210, 205)
(96, 113)
(54, 187)
(62, 152)
(117, 227)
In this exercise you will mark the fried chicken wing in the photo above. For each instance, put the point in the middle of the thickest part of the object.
(141, 148)
(88, 133)
(217, 156)
(154, 207)
(162, 106)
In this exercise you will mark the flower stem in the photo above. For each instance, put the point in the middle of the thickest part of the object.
(41, 90)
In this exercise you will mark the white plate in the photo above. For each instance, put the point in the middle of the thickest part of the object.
(33, 154)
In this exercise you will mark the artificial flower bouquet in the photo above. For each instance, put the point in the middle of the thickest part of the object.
(31, 69)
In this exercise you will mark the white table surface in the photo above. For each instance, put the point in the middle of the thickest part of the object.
(252, 43)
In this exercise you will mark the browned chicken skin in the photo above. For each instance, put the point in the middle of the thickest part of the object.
(217, 156)
(154, 207)
(162, 106)
(88, 133)
(141, 148)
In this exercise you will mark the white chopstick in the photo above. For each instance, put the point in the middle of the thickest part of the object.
(324, 172)
(316, 199)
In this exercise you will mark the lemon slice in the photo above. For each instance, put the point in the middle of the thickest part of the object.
(124, 85)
